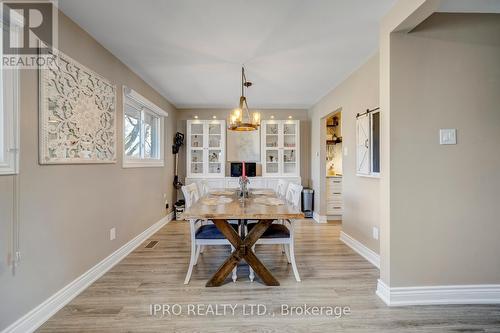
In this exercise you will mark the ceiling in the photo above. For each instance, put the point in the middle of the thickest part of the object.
(191, 51)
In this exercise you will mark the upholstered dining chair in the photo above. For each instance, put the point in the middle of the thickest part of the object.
(202, 234)
(283, 233)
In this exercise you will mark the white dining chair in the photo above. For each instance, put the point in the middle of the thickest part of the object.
(283, 233)
(203, 187)
(202, 234)
(281, 188)
(191, 194)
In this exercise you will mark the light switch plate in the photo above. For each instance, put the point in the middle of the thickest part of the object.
(448, 136)
(112, 233)
(375, 233)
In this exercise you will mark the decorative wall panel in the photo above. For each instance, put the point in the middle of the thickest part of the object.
(77, 114)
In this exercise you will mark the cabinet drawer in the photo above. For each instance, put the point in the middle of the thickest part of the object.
(334, 205)
(334, 210)
(334, 198)
(232, 183)
(334, 185)
(334, 195)
(216, 183)
(257, 183)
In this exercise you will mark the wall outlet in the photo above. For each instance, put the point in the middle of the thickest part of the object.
(166, 205)
(112, 233)
(375, 233)
(346, 152)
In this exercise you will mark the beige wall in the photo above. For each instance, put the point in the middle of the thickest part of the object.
(361, 205)
(67, 210)
(297, 114)
(402, 17)
(444, 225)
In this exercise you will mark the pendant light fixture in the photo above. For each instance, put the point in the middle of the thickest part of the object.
(240, 119)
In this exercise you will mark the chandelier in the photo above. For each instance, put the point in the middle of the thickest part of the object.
(240, 119)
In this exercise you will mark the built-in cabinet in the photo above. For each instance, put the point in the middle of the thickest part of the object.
(206, 148)
(334, 202)
(255, 182)
(206, 155)
(280, 140)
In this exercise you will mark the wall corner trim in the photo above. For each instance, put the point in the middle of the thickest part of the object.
(40, 314)
(361, 249)
(439, 295)
(319, 218)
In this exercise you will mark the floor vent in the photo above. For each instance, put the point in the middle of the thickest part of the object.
(151, 244)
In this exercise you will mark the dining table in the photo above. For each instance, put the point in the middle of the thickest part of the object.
(224, 205)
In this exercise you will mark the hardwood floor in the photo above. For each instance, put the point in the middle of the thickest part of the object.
(332, 275)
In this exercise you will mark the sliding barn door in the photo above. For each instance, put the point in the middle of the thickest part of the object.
(363, 145)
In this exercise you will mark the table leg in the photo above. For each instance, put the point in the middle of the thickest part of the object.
(243, 250)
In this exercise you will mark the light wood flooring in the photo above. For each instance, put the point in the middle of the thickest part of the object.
(332, 275)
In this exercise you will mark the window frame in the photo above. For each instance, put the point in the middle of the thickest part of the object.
(370, 173)
(9, 111)
(133, 99)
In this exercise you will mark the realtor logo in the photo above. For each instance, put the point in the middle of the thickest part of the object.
(29, 31)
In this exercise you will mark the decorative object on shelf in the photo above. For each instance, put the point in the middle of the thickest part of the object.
(331, 170)
(77, 114)
(240, 119)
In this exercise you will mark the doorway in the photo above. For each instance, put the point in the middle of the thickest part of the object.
(331, 203)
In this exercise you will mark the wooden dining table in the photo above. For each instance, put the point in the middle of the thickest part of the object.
(223, 205)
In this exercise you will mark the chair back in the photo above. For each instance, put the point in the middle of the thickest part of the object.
(191, 194)
(203, 188)
(293, 194)
(281, 188)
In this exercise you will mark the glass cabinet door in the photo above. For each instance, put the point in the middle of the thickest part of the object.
(196, 162)
(196, 135)
(214, 135)
(215, 161)
(271, 138)
(290, 148)
(272, 161)
(289, 135)
(196, 156)
(289, 161)
(216, 158)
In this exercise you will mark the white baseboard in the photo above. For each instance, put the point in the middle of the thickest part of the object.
(361, 249)
(39, 315)
(319, 218)
(433, 295)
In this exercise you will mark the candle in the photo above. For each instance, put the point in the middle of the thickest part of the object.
(243, 171)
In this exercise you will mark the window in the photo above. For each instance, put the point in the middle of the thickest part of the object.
(142, 131)
(9, 114)
(368, 144)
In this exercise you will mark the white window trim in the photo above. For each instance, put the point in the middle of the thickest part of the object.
(9, 116)
(128, 162)
(370, 174)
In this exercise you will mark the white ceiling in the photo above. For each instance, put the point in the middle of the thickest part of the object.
(191, 51)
